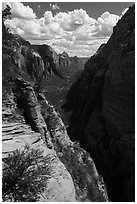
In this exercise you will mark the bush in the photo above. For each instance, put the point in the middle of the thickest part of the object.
(25, 175)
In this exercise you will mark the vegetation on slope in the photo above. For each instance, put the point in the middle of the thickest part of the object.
(25, 175)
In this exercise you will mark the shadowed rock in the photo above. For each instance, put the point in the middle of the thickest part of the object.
(102, 109)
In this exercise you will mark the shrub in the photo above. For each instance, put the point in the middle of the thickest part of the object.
(25, 175)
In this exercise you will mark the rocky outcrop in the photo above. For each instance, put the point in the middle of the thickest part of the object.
(59, 185)
(45, 120)
(64, 59)
(102, 109)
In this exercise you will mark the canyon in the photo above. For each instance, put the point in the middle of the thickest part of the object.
(28, 119)
(80, 117)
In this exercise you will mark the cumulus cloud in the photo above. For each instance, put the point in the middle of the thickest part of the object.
(48, 17)
(32, 29)
(54, 6)
(18, 10)
(74, 31)
(73, 19)
(106, 22)
(85, 32)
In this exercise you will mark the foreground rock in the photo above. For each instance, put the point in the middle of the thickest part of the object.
(102, 109)
(59, 187)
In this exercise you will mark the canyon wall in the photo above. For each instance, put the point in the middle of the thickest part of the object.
(102, 107)
(58, 61)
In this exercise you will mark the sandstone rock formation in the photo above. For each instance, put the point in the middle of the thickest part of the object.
(59, 186)
(44, 119)
(28, 118)
(53, 61)
(102, 109)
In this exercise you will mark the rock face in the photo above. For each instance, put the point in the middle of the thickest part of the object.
(102, 109)
(43, 119)
(64, 59)
(19, 60)
(16, 134)
(59, 186)
(29, 118)
(50, 58)
(56, 60)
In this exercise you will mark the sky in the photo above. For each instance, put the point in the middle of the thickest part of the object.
(78, 28)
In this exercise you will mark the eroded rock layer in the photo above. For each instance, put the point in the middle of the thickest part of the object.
(102, 109)
(59, 185)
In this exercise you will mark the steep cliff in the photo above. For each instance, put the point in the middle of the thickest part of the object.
(50, 58)
(55, 61)
(29, 119)
(102, 109)
(19, 60)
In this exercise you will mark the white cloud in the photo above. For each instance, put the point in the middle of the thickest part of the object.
(55, 6)
(106, 22)
(18, 10)
(55, 28)
(31, 29)
(85, 32)
(73, 19)
(48, 17)
(125, 10)
(74, 31)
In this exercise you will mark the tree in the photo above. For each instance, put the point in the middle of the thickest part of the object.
(6, 14)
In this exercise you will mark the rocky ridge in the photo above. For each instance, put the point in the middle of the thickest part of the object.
(102, 109)
(28, 118)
